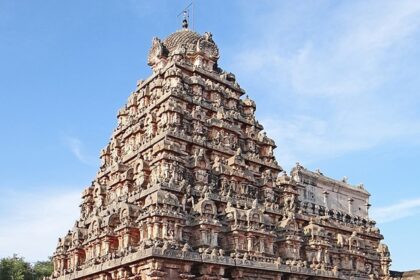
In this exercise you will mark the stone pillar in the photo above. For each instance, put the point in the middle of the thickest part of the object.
(155, 229)
(237, 274)
(316, 209)
(262, 245)
(214, 238)
(164, 228)
(367, 208)
(279, 277)
(204, 236)
(93, 248)
(104, 276)
(122, 273)
(155, 272)
(178, 232)
(385, 264)
(185, 272)
(107, 245)
(78, 259)
(91, 251)
(236, 238)
(70, 261)
(350, 200)
(120, 241)
(326, 204)
(149, 230)
(114, 274)
(313, 208)
(126, 238)
(141, 230)
(249, 242)
(270, 246)
(87, 252)
(62, 264)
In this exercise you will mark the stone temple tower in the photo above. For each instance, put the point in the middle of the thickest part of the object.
(189, 188)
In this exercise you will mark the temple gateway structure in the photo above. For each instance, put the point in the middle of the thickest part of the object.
(189, 188)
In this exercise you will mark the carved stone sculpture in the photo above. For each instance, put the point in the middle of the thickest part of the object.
(189, 189)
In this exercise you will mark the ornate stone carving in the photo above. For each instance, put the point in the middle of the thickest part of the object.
(189, 188)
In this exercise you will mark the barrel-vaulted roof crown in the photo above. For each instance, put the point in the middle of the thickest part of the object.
(181, 38)
(187, 45)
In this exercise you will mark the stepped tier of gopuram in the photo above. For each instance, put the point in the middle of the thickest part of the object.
(189, 188)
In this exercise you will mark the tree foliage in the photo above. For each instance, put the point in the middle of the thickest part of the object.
(42, 269)
(16, 268)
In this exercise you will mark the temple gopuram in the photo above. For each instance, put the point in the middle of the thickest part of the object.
(189, 188)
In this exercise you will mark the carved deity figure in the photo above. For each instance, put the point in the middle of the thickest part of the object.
(312, 229)
(340, 240)
(353, 241)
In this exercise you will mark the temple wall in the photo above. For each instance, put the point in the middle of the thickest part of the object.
(411, 275)
(332, 194)
(189, 188)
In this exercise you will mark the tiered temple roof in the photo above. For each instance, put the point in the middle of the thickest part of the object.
(189, 188)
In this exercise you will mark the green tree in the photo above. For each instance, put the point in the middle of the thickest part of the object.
(15, 268)
(42, 269)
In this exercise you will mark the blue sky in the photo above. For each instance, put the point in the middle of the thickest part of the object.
(336, 84)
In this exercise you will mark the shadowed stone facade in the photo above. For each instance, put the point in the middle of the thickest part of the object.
(408, 275)
(189, 188)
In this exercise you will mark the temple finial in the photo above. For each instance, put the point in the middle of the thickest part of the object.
(185, 20)
(185, 14)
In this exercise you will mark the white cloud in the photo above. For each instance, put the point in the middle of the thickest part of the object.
(356, 60)
(336, 78)
(30, 223)
(349, 52)
(76, 147)
(308, 138)
(396, 211)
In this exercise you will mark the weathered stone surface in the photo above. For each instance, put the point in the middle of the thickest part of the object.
(408, 275)
(189, 188)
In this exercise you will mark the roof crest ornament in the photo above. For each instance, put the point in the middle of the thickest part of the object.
(185, 20)
(186, 16)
